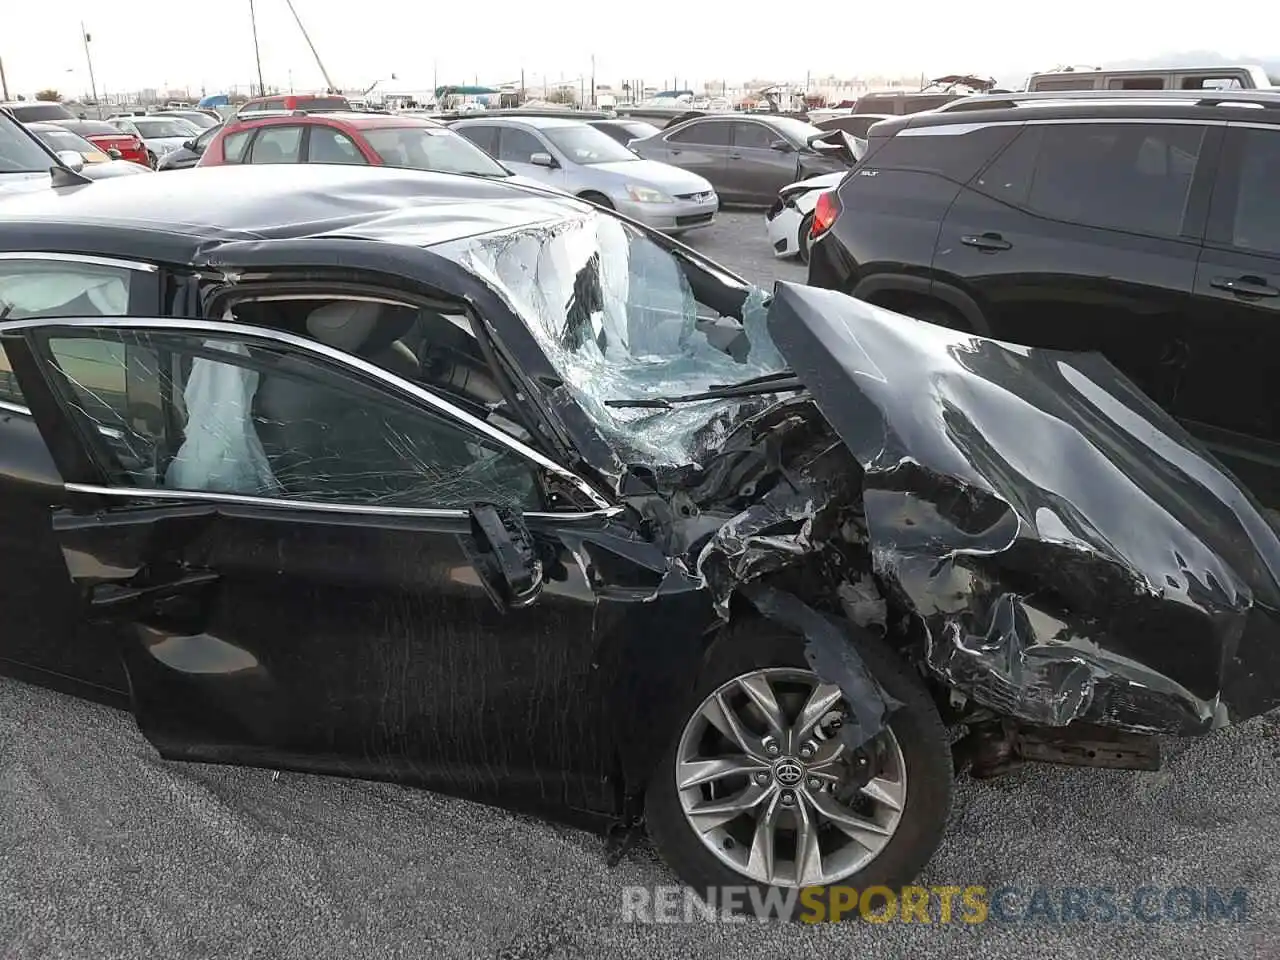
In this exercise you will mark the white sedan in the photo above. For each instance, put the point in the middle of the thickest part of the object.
(790, 218)
(161, 135)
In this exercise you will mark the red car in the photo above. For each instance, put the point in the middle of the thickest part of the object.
(292, 101)
(354, 138)
(107, 139)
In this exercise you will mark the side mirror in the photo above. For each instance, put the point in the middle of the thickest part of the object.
(71, 160)
(504, 555)
(782, 146)
(542, 160)
(189, 145)
(114, 154)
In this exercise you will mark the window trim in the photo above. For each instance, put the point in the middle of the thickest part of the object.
(137, 266)
(703, 121)
(332, 356)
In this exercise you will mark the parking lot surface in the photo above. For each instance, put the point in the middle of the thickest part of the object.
(109, 851)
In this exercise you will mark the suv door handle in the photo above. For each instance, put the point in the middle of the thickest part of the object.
(1245, 287)
(735, 156)
(987, 242)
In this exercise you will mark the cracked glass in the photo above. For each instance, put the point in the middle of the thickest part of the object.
(184, 411)
(622, 318)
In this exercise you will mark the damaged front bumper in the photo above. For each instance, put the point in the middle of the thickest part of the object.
(1066, 551)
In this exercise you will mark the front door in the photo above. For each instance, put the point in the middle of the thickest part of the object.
(1228, 398)
(282, 539)
(701, 147)
(757, 170)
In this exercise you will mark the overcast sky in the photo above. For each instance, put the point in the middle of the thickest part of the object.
(159, 43)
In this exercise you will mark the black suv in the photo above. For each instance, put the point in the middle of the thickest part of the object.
(1145, 226)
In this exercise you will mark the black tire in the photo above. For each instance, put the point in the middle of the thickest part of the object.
(803, 238)
(599, 199)
(151, 160)
(917, 726)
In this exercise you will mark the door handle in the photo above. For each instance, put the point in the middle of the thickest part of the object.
(735, 156)
(987, 242)
(675, 153)
(1247, 288)
(104, 597)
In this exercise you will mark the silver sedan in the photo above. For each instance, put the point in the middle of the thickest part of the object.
(575, 157)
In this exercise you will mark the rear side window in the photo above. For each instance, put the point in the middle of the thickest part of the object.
(1122, 176)
(233, 145)
(953, 151)
(712, 134)
(32, 288)
(486, 138)
(277, 145)
(1256, 226)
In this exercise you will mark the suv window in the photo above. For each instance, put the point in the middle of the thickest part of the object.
(1122, 176)
(189, 412)
(518, 145)
(753, 136)
(330, 145)
(935, 149)
(714, 133)
(33, 288)
(277, 145)
(1256, 225)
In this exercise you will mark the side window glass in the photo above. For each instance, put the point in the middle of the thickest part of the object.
(1121, 176)
(713, 134)
(1257, 207)
(486, 138)
(233, 145)
(753, 136)
(955, 156)
(184, 412)
(277, 145)
(518, 146)
(202, 141)
(31, 288)
(328, 145)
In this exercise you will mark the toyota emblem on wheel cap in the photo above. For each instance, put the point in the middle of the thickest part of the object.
(788, 773)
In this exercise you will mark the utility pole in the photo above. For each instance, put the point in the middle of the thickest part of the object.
(257, 54)
(4, 84)
(93, 86)
(593, 80)
(307, 37)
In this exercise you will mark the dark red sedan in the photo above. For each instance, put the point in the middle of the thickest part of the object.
(108, 139)
(354, 138)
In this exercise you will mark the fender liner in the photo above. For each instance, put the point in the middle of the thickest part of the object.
(869, 288)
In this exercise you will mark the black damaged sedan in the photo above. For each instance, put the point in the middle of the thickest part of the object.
(462, 484)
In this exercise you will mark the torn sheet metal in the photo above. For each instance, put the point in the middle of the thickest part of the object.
(832, 657)
(1072, 552)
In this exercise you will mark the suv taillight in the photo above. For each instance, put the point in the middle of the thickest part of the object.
(824, 214)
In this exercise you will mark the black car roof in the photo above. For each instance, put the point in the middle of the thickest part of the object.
(1252, 106)
(172, 216)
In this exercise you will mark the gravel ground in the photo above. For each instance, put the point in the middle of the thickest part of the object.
(108, 851)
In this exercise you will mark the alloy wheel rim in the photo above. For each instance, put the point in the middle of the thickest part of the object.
(768, 787)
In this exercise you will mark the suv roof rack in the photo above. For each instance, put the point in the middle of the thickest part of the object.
(1267, 99)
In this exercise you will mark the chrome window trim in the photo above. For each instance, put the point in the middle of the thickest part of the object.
(144, 493)
(15, 408)
(315, 348)
(135, 265)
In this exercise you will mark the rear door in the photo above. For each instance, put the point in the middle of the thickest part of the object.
(701, 147)
(277, 143)
(280, 534)
(1085, 236)
(756, 171)
(1228, 393)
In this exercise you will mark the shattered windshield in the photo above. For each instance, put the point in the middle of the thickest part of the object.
(621, 318)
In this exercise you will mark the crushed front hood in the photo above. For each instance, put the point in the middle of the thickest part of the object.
(1072, 552)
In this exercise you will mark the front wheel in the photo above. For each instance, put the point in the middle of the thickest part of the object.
(759, 791)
